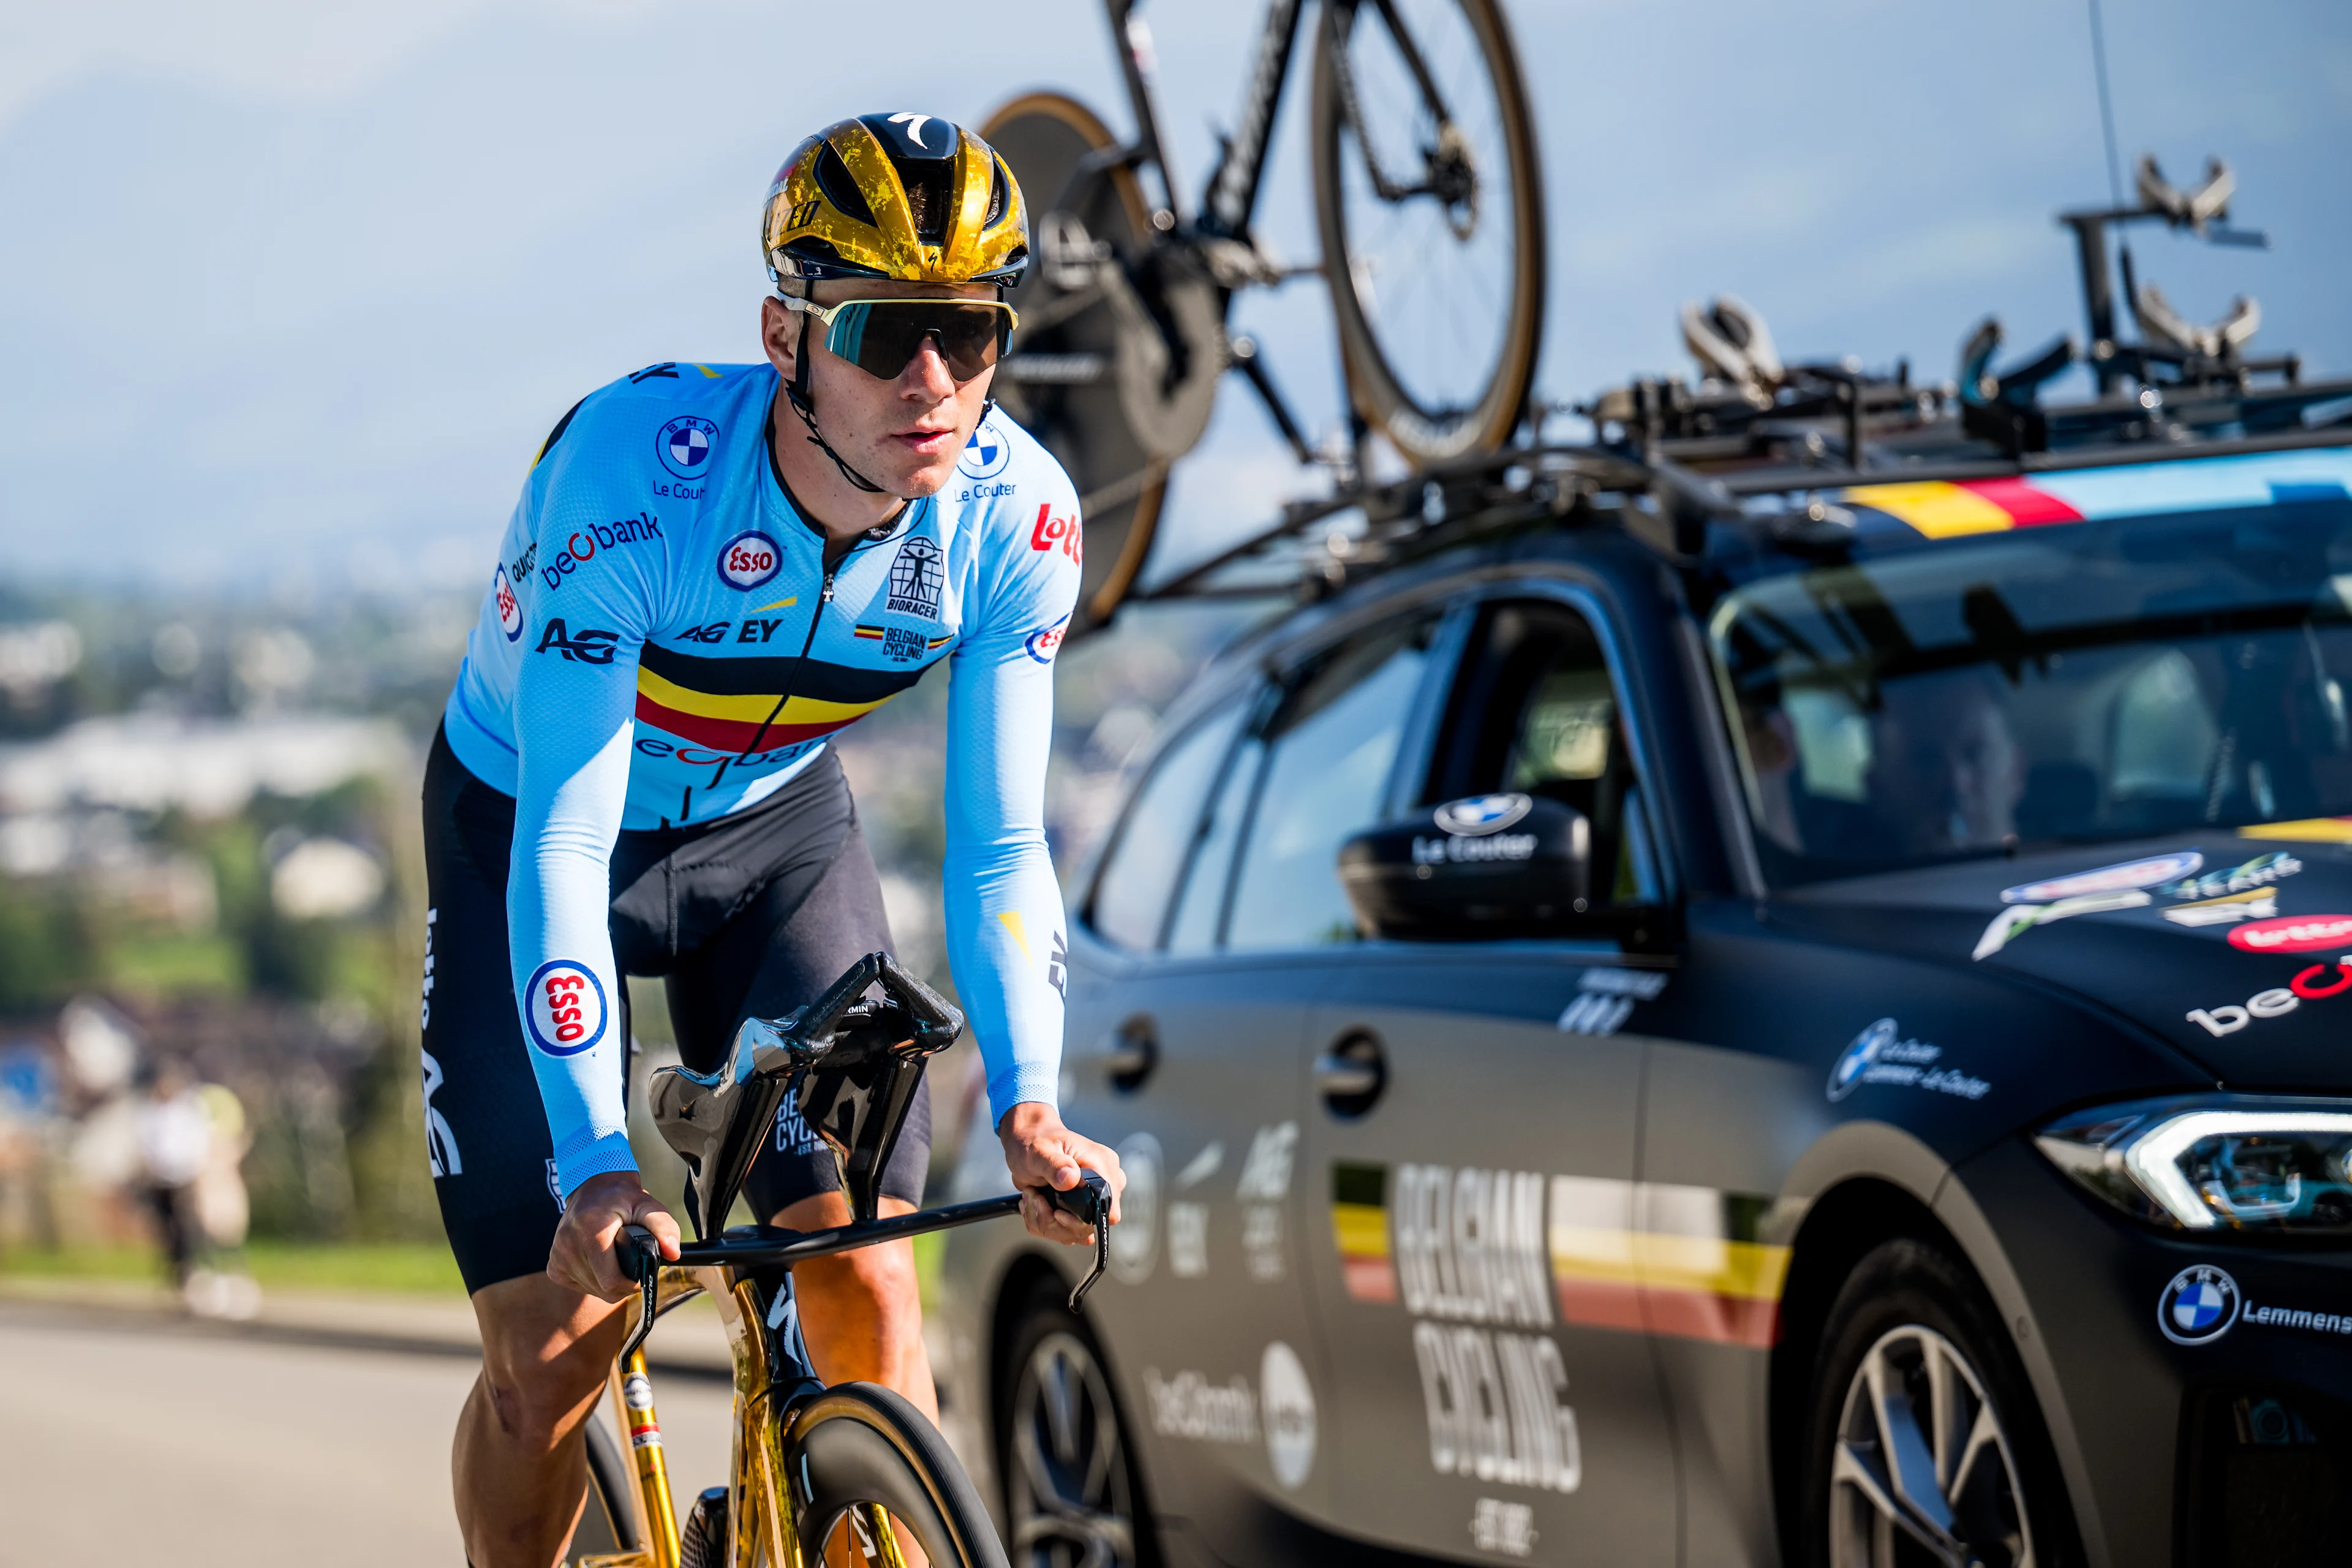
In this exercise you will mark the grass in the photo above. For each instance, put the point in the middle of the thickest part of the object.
(405, 1267)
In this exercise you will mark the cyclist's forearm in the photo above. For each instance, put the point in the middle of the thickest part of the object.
(1005, 942)
(567, 986)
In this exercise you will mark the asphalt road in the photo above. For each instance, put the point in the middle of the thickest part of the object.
(128, 1439)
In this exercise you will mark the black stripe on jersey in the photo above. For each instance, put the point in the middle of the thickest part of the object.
(557, 434)
(772, 675)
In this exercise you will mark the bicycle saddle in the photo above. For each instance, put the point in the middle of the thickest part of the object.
(855, 1063)
(2188, 209)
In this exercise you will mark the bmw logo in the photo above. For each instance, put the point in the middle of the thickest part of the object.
(2199, 1306)
(1857, 1057)
(684, 445)
(1483, 814)
(985, 454)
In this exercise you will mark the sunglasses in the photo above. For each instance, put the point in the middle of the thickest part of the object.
(882, 337)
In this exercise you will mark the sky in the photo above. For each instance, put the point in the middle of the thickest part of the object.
(289, 293)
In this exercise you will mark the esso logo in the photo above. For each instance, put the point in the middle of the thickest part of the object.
(566, 1008)
(1046, 641)
(985, 454)
(509, 609)
(749, 560)
(2293, 933)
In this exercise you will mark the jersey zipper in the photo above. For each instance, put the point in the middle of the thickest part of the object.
(824, 597)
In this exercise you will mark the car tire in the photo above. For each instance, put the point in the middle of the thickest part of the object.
(1071, 1494)
(1923, 1443)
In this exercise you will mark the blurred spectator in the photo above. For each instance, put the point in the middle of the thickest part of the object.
(191, 1143)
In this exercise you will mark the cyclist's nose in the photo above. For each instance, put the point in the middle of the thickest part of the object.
(927, 371)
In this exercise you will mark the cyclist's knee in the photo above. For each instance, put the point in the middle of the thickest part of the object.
(545, 1354)
(873, 1286)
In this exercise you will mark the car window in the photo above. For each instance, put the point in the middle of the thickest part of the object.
(1158, 830)
(1533, 710)
(1201, 907)
(1330, 749)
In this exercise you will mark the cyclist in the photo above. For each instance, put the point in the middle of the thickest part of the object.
(712, 569)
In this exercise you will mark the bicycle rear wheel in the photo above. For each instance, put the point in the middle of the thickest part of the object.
(1430, 207)
(859, 1443)
(1114, 393)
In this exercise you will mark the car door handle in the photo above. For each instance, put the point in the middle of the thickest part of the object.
(1352, 1073)
(1131, 1053)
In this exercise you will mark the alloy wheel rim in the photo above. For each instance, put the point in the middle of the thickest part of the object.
(1067, 1482)
(1922, 1472)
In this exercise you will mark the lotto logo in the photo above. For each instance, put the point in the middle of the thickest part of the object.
(1062, 534)
(566, 1008)
(749, 560)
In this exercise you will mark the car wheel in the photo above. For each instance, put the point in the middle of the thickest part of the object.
(1925, 1444)
(1070, 1491)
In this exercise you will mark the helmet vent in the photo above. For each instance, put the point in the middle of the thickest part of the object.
(833, 179)
(926, 201)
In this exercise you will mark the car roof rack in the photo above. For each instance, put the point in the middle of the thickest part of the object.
(1671, 458)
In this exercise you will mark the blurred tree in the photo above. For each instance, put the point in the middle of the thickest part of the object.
(47, 947)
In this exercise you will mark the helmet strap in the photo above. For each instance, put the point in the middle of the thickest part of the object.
(797, 390)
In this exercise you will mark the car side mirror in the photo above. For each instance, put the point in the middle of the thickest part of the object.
(1490, 866)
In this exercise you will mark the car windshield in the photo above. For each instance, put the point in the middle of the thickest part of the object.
(2069, 684)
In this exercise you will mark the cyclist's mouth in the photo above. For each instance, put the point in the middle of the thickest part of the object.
(925, 442)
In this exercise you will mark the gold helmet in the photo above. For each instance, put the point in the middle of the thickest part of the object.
(906, 196)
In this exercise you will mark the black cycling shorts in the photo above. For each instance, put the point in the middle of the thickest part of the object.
(749, 916)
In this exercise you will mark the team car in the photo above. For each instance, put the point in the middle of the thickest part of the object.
(1773, 988)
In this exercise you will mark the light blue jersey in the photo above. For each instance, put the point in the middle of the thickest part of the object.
(661, 643)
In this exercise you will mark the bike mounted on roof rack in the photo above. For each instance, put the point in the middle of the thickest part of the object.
(1672, 458)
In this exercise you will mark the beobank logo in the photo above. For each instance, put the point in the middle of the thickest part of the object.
(2293, 933)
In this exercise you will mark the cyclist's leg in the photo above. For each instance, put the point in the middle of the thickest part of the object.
(517, 1465)
(860, 1311)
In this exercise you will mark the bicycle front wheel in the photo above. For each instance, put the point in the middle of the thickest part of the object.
(1430, 207)
(860, 1447)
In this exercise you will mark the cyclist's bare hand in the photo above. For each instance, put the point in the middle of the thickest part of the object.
(582, 1258)
(1042, 1153)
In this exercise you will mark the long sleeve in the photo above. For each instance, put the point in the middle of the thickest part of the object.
(575, 702)
(1006, 939)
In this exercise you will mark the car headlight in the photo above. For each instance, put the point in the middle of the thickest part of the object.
(2220, 1163)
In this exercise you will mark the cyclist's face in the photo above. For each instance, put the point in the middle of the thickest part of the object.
(904, 432)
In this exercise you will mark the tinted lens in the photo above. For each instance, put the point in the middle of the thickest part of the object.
(879, 338)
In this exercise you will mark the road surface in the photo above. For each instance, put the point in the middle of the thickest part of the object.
(137, 1438)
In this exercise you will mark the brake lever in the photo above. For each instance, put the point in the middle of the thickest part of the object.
(1089, 1201)
(639, 1255)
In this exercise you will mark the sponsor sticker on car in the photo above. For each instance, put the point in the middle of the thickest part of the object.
(2293, 934)
(2198, 1306)
(2115, 879)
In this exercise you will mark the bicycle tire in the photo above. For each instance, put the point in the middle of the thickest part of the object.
(1114, 460)
(1423, 434)
(862, 1443)
(608, 1519)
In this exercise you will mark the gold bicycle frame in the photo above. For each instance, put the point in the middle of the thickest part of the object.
(761, 1525)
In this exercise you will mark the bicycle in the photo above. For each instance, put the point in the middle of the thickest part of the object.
(854, 1464)
(1427, 195)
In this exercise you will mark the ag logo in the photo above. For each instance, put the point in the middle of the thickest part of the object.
(1483, 814)
(2199, 1306)
(749, 560)
(684, 445)
(985, 454)
(566, 1008)
(509, 609)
